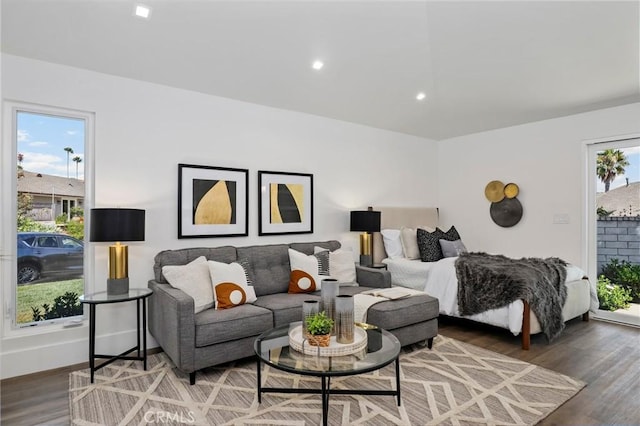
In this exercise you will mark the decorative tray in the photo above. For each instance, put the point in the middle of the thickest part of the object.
(299, 343)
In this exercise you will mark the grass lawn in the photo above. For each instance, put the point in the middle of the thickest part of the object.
(38, 294)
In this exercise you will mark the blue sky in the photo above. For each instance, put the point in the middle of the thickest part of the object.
(42, 139)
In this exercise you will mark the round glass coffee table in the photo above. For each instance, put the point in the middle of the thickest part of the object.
(272, 348)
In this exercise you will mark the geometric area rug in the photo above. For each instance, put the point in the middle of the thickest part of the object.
(455, 383)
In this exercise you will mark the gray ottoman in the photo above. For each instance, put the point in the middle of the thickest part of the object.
(411, 319)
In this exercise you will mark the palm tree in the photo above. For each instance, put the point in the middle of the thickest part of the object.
(78, 160)
(609, 164)
(20, 169)
(69, 151)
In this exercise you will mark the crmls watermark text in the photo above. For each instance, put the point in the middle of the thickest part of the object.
(165, 417)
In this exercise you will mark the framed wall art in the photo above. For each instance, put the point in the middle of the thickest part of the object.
(285, 202)
(212, 201)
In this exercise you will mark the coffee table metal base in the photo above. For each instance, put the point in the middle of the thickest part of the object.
(326, 390)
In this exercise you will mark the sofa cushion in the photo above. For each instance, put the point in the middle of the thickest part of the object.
(217, 326)
(267, 266)
(230, 287)
(194, 279)
(286, 308)
(226, 254)
(342, 266)
(306, 271)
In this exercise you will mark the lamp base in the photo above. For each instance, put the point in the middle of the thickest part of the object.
(117, 286)
(366, 260)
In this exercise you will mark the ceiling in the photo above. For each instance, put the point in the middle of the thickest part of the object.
(482, 65)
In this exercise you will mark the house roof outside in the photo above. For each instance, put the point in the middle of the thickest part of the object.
(38, 183)
(623, 201)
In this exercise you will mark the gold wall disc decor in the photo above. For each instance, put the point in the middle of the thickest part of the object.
(511, 190)
(505, 210)
(494, 191)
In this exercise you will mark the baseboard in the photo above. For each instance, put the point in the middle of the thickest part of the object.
(64, 354)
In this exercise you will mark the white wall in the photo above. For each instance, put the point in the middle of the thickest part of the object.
(546, 160)
(142, 131)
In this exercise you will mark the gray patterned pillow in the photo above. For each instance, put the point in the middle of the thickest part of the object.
(429, 243)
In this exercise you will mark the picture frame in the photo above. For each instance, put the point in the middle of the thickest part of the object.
(285, 202)
(212, 201)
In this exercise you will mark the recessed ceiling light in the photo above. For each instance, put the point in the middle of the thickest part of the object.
(317, 65)
(420, 96)
(142, 11)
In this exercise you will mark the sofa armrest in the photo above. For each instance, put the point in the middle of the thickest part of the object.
(373, 277)
(172, 324)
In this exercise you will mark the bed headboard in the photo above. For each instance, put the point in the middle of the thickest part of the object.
(396, 218)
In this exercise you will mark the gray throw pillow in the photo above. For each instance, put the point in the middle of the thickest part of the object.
(452, 248)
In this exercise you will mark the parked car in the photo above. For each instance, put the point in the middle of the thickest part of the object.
(42, 254)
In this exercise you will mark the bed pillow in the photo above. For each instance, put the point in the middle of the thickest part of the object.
(452, 234)
(429, 243)
(194, 279)
(342, 267)
(305, 271)
(230, 285)
(409, 239)
(392, 243)
(452, 248)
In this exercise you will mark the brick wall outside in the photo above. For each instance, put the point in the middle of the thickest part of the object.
(619, 238)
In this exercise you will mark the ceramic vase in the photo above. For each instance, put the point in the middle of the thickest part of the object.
(309, 308)
(344, 319)
(329, 289)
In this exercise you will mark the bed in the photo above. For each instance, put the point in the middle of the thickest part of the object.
(439, 279)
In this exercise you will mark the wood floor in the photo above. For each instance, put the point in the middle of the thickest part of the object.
(605, 355)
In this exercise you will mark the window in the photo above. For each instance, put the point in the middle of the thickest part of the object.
(46, 225)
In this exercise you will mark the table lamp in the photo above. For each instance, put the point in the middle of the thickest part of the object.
(116, 225)
(365, 221)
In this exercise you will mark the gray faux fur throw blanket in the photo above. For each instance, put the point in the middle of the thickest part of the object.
(487, 281)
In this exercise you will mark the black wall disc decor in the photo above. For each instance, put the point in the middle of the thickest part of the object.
(505, 210)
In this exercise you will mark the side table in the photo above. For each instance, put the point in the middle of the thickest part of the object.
(140, 296)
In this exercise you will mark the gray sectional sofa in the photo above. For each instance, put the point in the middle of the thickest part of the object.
(195, 341)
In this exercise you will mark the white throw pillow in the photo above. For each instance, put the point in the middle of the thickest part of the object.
(392, 243)
(305, 276)
(409, 239)
(194, 279)
(342, 267)
(230, 287)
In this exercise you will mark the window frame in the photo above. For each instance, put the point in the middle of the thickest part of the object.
(8, 215)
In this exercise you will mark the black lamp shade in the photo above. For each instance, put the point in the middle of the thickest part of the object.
(365, 221)
(108, 225)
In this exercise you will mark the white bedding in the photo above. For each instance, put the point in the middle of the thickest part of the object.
(438, 279)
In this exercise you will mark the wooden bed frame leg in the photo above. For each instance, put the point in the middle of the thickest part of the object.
(585, 316)
(526, 326)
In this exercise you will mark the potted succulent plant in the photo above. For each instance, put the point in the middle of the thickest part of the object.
(319, 328)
